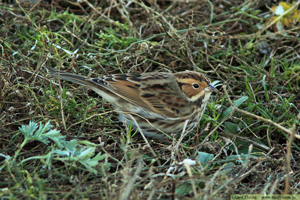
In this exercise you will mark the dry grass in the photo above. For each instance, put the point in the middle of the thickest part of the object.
(96, 157)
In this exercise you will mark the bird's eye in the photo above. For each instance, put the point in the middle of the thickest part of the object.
(195, 85)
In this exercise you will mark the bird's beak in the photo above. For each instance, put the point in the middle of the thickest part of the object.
(211, 88)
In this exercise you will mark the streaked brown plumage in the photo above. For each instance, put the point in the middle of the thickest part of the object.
(159, 102)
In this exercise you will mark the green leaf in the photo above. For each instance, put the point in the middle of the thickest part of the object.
(43, 134)
(236, 103)
(74, 152)
(248, 87)
(204, 157)
(231, 127)
(184, 189)
(28, 130)
(265, 88)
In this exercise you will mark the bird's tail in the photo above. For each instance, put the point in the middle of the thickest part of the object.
(82, 80)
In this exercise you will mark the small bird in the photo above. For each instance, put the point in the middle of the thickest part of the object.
(157, 103)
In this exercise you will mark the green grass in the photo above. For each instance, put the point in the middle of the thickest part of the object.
(83, 152)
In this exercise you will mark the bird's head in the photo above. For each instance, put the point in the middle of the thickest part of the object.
(194, 85)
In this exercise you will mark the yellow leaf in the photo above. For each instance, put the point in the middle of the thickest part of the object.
(285, 5)
(273, 9)
(296, 16)
(287, 22)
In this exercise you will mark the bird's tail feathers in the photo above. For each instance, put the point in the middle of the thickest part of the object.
(82, 80)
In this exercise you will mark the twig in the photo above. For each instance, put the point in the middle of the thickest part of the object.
(288, 160)
(61, 103)
(189, 171)
(288, 131)
(261, 146)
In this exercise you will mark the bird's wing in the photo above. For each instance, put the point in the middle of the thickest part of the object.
(155, 92)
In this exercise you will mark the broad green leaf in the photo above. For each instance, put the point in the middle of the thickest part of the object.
(236, 103)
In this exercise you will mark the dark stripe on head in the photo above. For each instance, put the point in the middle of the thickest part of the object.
(196, 76)
(181, 84)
